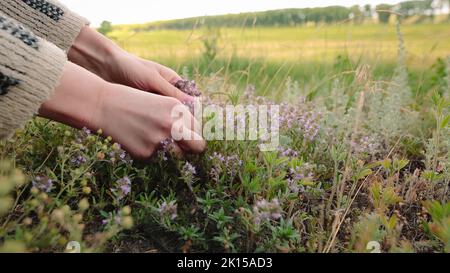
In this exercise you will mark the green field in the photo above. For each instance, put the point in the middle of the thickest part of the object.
(267, 57)
(374, 42)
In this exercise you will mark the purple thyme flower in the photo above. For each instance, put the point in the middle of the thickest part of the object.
(299, 174)
(306, 121)
(87, 131)
(288, 152)
(188, 87)
(224, 164)
(164, 148)
(365, 145)
(265, 211)
(118, 154)
(188, 173)
(43, 184)
(168, 209)
(123, 187)
(77, 160)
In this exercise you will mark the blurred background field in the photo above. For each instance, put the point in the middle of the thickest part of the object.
(374, 42)
(311, 55)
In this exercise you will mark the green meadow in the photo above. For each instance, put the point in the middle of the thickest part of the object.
(268, 56)
(375, 42)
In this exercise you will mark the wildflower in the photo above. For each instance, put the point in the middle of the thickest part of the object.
(118, 154)
(307, 122)
(78, 160)
(165, 148)
(265, 211)
(188, 173)
(168, 209)
(288, 152)
(87, 131)
(83, 134)
(119, 218)
(43, 184)
(298, 174)
(365, 145)
(123, 187)
(224, 164)
(188, 87)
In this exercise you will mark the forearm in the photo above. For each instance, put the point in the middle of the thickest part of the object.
(94, 52)
(76, 99)
(103, 57)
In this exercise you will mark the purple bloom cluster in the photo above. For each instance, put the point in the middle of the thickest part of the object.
(82, 135)
(297, 174)
(306, 121)
(42, 183)
(188, 173)
(78, 160)
(188, 87)
(264, 210)
(224, 164)
(288, 152)
(168, 209)
(123, 187)
(365, 145)
(163, 151)
(86, 131)
(188, 169)
(118, 155)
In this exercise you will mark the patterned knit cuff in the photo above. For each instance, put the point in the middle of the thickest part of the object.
(48, 19)
(30, 70)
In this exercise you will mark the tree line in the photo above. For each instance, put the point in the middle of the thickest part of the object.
(295, 17)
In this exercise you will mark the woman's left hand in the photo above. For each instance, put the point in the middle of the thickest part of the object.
(101, 56)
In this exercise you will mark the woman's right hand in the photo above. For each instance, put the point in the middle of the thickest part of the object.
(137, 120)
(140, 121)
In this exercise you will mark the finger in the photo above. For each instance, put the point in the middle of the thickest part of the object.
(168, 74)
(191, 122)
(182, 117)
(167, 89)
(191, 142)
(175, 150)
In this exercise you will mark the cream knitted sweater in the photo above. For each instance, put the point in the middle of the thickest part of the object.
(34, 38)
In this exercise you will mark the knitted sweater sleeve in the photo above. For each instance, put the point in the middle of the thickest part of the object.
(30, 69)
(48, 19)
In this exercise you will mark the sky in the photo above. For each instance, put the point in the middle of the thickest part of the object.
(141, 11)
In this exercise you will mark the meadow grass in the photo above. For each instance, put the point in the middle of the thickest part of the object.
(312, 56)
(372, 42)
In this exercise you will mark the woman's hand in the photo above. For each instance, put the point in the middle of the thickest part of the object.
(139, 121)
(101, 56)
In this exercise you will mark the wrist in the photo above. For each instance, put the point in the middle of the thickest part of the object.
(77, 99)
(94, 52)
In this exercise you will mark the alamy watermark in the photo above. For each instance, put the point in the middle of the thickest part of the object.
(228, 122)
